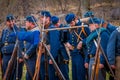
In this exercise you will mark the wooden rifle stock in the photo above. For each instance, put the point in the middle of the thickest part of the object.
(101, 49)
(96, 64)
(37, 67)
(60, 75)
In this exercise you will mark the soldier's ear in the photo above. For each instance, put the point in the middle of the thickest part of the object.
(30, 23)
(48, 18)
(33, 23)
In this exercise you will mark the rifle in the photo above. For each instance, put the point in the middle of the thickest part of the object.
(97, 61)
(46, 65)
(101, 49)
(37, 67)
(65, 28)
(27, 67)
(60, 75)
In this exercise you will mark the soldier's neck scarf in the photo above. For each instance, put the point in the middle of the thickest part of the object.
(94, 34)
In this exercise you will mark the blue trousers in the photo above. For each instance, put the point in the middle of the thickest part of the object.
(101, 74)
(52, 73)
(42, 68)
(78, 69)
(6, 59)
(31, 64)
(65, 70)
(20, 70)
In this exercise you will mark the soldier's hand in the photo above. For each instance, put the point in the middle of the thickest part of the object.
(20, 60)
(26, 56)
(23, 53)
(70, 47)
(50, 61)
(86, 65)
(113, 66)
(79, 46)
(101, 66)
(48, 46)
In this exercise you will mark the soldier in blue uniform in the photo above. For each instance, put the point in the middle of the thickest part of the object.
(31, 44)
(75, 45)
(113, 52)
(45, 18)
(21, 48)
(110, 29)
(108, 26)
(104, 34)
(58, 41)
(105, 24)
(8, 42)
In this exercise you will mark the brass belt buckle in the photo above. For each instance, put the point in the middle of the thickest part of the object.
(6, 44)
(73, 47)
(66, 61)
(91, 56)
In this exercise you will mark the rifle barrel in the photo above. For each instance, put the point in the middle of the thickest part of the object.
(65, 28)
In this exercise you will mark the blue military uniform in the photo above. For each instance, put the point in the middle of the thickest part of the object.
(62, 56)
(113, 51)
(54, 49)
(113, 47)
(110, 29)
(78, 69)
(32, 39)
(109, 26)
(104, 34)
(7, 45)
(47, 41)
(21, 48)
(20, 64)
(42, 67)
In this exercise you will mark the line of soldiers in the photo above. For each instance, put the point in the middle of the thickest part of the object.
(80, 42)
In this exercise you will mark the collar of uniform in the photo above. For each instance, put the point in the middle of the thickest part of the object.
(94, 35)
(47, 26)
(11, 28)
(35, 29)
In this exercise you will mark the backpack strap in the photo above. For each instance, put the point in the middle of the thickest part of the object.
(83, 31)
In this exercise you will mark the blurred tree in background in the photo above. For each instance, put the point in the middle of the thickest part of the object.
(107, 9)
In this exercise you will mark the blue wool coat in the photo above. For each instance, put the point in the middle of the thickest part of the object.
(113, 47)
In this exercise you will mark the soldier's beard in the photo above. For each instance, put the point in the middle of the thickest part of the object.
(11, 26)
(28, 28)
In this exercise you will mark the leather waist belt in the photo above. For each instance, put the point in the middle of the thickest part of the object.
(5, 44)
